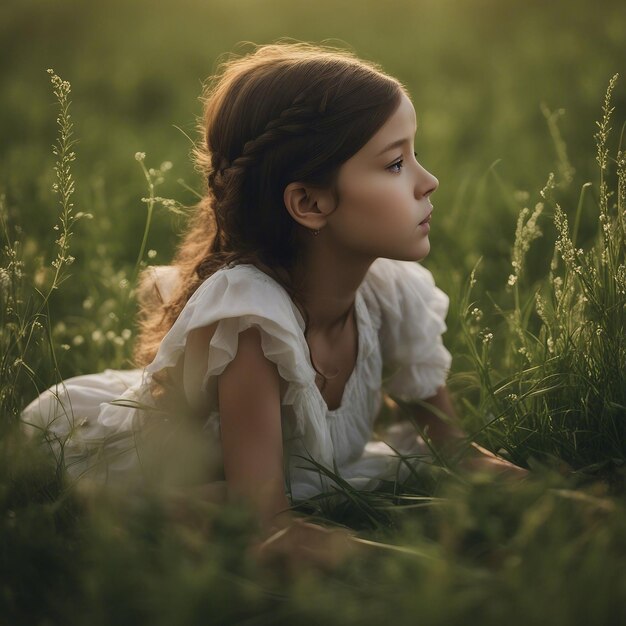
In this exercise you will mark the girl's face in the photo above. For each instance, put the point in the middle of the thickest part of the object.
(384, 208)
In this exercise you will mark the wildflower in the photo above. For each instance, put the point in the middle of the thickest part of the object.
(65, 346)
(97, 336)
(550, 184)
(126, 334)
(78, 340)
(525, 233)
(118, 341)
(477, 314)
(539, 303)
(602, 135)
(110, 335)
(563, 243)
(620, 279)
(87, 303)
(140, 156)
(5, 282)
(604, 258)
(152, 254)
(487, 337)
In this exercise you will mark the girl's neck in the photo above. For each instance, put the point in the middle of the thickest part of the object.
(327, 280)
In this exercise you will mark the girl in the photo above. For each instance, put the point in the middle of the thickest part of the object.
(294, 300)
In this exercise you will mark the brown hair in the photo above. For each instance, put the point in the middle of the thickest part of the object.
(285, 112)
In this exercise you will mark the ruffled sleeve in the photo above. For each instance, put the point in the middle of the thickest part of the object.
(410, 311)
(235, 299)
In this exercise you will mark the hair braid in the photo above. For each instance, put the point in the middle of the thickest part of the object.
(225, 179)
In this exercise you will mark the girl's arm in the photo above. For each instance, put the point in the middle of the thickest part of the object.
(442, 433)
(446, 436)
(251, 432)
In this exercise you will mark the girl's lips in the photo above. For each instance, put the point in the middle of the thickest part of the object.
(426, 220)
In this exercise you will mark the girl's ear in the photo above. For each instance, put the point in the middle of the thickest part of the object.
(308, 206)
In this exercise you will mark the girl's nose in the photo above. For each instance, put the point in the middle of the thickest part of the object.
(426, 183)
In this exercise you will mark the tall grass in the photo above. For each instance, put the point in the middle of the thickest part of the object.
(25, 338)
(555, 386)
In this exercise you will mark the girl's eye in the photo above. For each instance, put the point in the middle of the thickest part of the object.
(397, 164)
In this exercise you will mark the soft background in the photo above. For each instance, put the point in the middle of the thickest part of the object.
(478, 72)
(483, 75)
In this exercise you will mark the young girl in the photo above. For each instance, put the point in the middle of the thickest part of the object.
(294, 300)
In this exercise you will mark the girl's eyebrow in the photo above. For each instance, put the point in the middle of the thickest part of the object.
(394, 144)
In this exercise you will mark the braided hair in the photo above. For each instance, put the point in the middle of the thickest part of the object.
(285, 112)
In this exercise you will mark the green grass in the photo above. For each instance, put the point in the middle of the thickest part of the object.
(536, 327)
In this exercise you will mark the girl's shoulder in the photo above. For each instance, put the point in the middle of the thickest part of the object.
(240, 285)
(396, 290)
(410, 312)
(244, 289)
(237, 297)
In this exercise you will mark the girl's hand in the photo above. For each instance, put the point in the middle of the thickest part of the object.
(303, 544)
(483, 460)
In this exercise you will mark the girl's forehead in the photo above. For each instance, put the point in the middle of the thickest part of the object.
(400, 126)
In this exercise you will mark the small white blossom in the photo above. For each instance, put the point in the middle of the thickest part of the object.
(5, 282)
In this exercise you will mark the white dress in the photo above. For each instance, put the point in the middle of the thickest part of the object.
(400, 317)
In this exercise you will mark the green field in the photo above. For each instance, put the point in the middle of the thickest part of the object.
(514, 122)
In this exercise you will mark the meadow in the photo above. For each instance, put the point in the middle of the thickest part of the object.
(521, 111)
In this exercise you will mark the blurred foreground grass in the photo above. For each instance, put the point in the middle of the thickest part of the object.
(534, 377)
